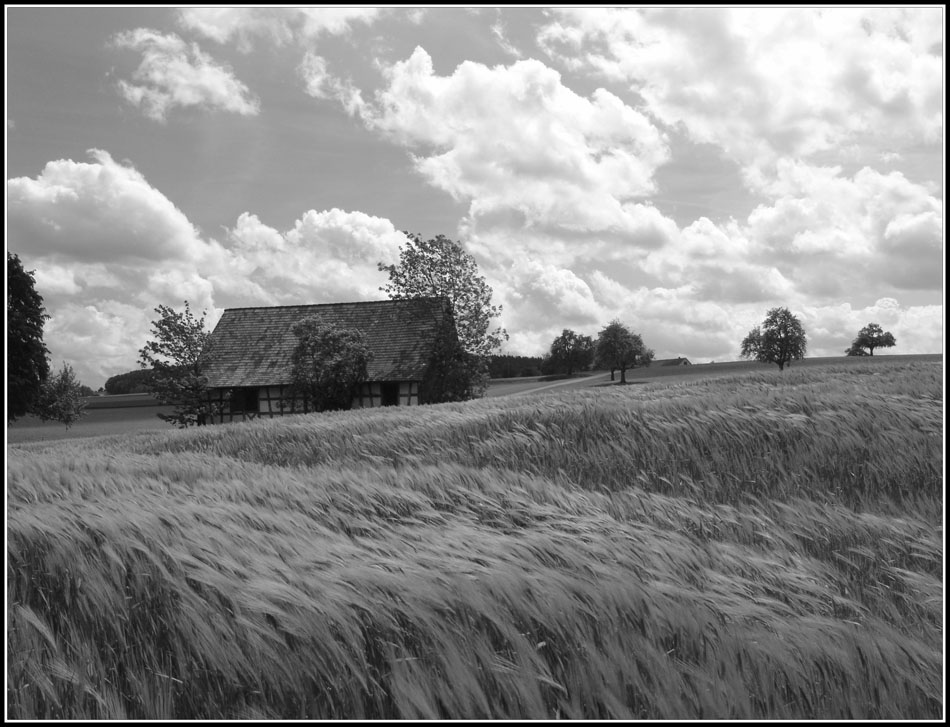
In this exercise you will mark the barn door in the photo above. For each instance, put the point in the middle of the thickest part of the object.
(390, 393)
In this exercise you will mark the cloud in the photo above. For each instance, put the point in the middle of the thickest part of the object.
(766, 83)
(279, 26)
(72, 203)
(328, 256)
(515, 140)
(320, 83)
(835, 234)
(174, 74)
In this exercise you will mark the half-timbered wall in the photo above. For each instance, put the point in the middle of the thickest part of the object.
(272, 400)
(371, 394)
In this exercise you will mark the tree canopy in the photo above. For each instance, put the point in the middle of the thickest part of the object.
(174, 356)
(618, 347)
(779, 340)
(329, 363)
(27, 355)
(440, 267)
(571, 351)
(870, 337)
(61, 398)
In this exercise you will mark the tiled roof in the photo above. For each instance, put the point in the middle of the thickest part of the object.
(254, 346)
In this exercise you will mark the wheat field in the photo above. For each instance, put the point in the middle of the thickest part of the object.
(760, 546)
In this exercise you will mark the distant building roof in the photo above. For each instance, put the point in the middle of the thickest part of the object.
(681, 361)
(254, 346)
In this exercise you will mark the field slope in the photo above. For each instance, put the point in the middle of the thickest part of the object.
(758, 546)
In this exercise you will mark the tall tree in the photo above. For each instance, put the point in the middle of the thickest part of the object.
(571, 351)
(27, 355)
(440, 267)
(779, 340)
(618, 348)
(870, 337)
(329, 363)
(175, 359)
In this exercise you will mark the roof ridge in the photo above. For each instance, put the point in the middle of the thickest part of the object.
(354, 302)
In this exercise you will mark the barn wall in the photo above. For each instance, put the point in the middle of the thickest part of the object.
(272, 401)
(371, 395)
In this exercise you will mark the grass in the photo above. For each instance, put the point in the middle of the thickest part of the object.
(757, 546)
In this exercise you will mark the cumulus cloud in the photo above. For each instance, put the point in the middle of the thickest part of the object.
(71, 204)
(279, 26)
(765, 83)
(329, 256)
(515, 139)
(174, 74)
(834, 234)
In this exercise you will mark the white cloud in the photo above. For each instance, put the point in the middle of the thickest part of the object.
(763, 83)
(833, 234)
(71, 204)
(516, 140)
(279, 26)
(320, 83)
(174, 74)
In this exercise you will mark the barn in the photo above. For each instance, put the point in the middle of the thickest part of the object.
(681, 361)
(248, 360)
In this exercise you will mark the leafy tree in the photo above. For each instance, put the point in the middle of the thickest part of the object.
(329, 363)
(131, 382)
(618, 348)
(175, 360)
(779, 340)
(506, 366)
(27, 355)
(854, 350)
(871, 337)
(453, 373)
(571, 351)
(440, 267)
(61, 398)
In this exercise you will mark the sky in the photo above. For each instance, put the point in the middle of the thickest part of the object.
(682, 170)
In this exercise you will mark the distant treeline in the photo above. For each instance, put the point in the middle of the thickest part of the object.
(506, 367)
(133, 382)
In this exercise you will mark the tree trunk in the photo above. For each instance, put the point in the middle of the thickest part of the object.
(623, 376)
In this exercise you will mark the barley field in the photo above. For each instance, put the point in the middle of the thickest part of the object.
(759, 546)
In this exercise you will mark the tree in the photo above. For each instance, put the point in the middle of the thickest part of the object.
(779, 340)
(855, 350)
(440, 267)
(571, 351)
(329, 363)
(175, 360)
(27, 355)
(871, 337)
(131, 382)
(618, 348)
(453, 373)
(61, 398)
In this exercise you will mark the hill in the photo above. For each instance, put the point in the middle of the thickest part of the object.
(754, 546)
